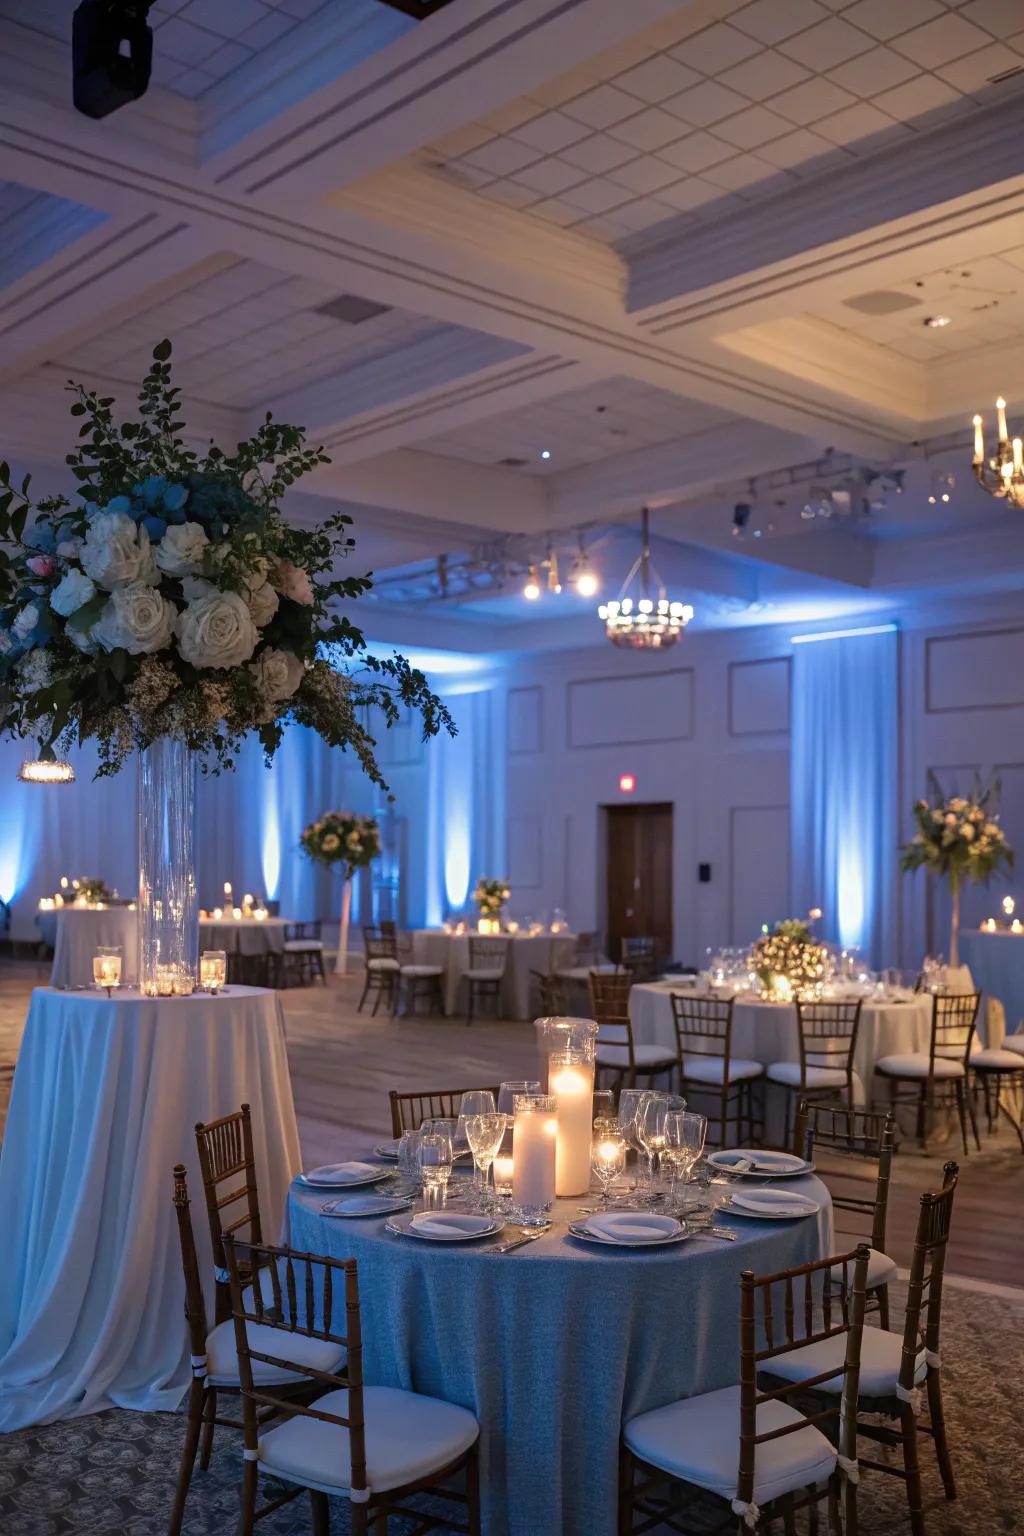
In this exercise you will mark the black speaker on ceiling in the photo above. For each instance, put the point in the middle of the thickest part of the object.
(418, 8)
(112, 54)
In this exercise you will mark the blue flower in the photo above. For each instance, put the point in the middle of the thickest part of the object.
(118, 504)
(175, 497)
(155, 526)
(151, 490)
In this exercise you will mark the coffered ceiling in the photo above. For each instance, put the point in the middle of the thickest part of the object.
(678, 247)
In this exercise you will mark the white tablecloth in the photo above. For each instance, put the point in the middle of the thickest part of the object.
(244, 935)
(77, 934)
(105, 1098)
(767, 1032)
(543, 952)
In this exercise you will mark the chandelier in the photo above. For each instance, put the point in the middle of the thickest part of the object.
(46, 771)
(642, 616)
(1003, 474)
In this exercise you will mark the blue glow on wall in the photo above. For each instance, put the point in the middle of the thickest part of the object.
(271, 843)
(11, 843)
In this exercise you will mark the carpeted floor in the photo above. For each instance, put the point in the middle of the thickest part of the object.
(113, 1474)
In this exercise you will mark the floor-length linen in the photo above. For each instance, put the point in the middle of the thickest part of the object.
(553, 1346)
(105, 1098)
(78, 932)
(244, 935)
(543, 952)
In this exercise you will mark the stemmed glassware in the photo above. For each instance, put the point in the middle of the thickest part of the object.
(684, 1133)
(507, 1094)
(434, 1156)
(484, 1134)
(409, 1161)
(630, 1104)
(608, 1155)
(650, 1126)
(478, 1101)
(604, 1104)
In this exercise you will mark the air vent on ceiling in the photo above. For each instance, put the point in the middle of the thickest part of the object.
(881, 301)
(513, 463)
(352, 310)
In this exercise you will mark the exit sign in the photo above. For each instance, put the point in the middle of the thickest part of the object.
(627, 783)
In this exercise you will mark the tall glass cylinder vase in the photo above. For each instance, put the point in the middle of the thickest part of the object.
(168, 899)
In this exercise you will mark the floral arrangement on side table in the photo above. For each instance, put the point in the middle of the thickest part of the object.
(341, 837)
(959, 839)
(92, 889)
(490, 896)
(790, 961)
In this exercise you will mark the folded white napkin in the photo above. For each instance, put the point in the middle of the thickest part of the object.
(632, 1226)
(361, 1205)
(772, 1202)
(763, 1162)
(450, 1224)
(342, 1173)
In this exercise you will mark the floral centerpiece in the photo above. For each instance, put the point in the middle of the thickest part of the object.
(341, 837)
(790, 961)
(960, 840)
(490, 896)
(171, 610)
(92, 889)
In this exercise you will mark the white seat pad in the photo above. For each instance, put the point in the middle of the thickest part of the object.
(485, 973)
(575, 973)
(1014, 1043)
(915, 1065)
(709, 1069)
(422, 970)
(880, 1355)
(698, 1440)
(646, 1056)
(881, 1270)
(222, 1359)
(788, 1072)
(407, 1438)
(998, 1061)
(301, 946)
(382, 965)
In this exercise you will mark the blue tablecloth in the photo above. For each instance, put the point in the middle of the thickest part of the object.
(997, 966)
(554, 1345)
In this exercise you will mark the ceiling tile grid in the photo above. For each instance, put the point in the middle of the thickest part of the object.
(775, 94)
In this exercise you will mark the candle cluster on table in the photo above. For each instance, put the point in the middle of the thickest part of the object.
(534, 1146)
(213, 969)
(170, 981)
(88, 892)
(571, 1045)
(1010, 923)
(252, 909)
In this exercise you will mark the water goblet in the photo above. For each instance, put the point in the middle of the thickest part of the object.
(478, 1101)
(630, 1104)
(608, 1156)
(408, 1160)
(484, 1134)
(446, 1128)
(434, 1156)
(684, 1133)
(651, 1130)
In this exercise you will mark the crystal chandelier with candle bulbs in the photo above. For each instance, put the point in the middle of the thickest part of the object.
(642, 617)
(1002, 472)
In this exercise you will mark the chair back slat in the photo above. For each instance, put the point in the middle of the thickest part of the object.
(609, 995)
(487, 954)
(703, 1026)
(409, 1110)
(954, 1020)
(305, 930)
(195, 1303)
(378, 946)
(225, 1150)
(922, 1321)
(828, 1034)
(853, 1152)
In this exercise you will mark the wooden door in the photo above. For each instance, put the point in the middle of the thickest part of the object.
(639, 874)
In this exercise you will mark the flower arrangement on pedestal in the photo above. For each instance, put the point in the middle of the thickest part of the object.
(790, 962)
(91, 889)
(341, 837)
(489, 896)
(959, 839)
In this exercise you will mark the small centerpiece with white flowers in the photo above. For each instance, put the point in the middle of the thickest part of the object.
(959, 840)
(172, 609)
(790, 962)
(489, 896)
(341, 837)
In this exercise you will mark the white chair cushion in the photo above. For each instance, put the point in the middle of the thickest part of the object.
(997, 1061)
(709, 1069)
(1014, 1043)
(880, 1355)
(222, 1359)
(382, 965)
(422, 970)
(303, 946)
(485, 973)
(881, 1270)
(650, 1058)
(788, 1072)
(915, 1065)
(698, 1440)
(576, 973)
(407, 1438)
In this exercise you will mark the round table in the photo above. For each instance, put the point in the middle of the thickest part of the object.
(553, 1345)
(767, 1032)
(78, 932)
(243, 935)
(544, 952)
(105, 1098)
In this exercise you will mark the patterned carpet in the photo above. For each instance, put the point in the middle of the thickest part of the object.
(113, 1474)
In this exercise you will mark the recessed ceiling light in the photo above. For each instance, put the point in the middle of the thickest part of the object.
(936, 322)
(545, 453)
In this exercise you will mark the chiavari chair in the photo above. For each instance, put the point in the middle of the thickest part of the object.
(383, 971)
(939, 1076)
(617, 1051)
(587, 956)
(787, 1459)
(214, 1362)
(900, 1371)
(485, 974)
(303, 951)
(226, 1155)
(852, 1150)
(996, 1069)
(409, 1110)
(638, 955)
(827, 1039)
(708, 1067)
(373, 1446)
(552, 994)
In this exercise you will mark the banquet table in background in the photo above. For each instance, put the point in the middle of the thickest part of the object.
(105, 1099)
(543, 952)
(555, 1346)
(996, 962)
(767, 1032)
(77, 932)
(248, 936)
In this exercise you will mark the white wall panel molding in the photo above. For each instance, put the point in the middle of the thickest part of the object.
(975, 671)
(525, 718)
(637, 711)
(759, 697)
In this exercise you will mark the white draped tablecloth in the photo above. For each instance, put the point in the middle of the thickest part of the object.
(767, 1032)
(78, 932)
(544, 952)
(106, 1096)
(243, 935)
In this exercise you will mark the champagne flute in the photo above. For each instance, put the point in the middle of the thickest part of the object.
(608, 1157)
(484, 1134)
(434, 1156)
(684, 1142)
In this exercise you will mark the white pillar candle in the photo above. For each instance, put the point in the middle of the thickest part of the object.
(503, 1175)
(571, 1080)
(533, 1151)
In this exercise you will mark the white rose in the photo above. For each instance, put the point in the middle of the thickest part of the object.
(136, 619)
(967, 833)
(278, 673)
(217, 631)
(72, 591)
(116, 552)
(68, 549)
(197, 586)
(26, 622)
(292, 582)
(83, 638)
(34, 670)
(180, 551)
(263, 603)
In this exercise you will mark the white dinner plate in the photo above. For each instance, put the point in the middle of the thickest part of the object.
(349, 1209)
(402, 1226)
(579, 1229)
(772, 1205)
(388, 1150)
(774, 1165)
(312, 1181)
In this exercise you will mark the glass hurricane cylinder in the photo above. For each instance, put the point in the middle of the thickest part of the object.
(571, 1044)
(168, 898)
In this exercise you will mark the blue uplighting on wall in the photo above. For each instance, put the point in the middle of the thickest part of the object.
(843, 779)
(271, 852)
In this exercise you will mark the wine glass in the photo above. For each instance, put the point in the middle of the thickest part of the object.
(484, 1134)
(408, 1159)
(434, 1156)
(608, 1157)
(507, 1094)
(650, 1128)
(630, 1104)
(478, 1101)
(684, 1133)
(604, 1104)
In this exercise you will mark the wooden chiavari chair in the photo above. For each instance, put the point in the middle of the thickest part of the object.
(225, 1156)
(353, 1441)
(900, 1370)
(708, 1067)
(638, 955)
(552, 995)
(303, 951)
(214, 1362)
(617, 1051)
(383, 971)
(485, 974)
(853, 1150)
(682, 1442)
(941, 1075)
(409, 1110)
(827, 1038)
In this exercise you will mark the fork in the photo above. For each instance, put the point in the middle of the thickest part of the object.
(518, 1242)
